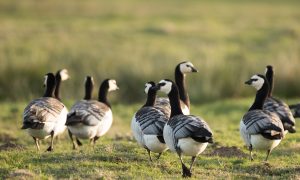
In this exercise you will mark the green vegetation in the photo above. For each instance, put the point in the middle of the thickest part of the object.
(135, 41)
(117, 155)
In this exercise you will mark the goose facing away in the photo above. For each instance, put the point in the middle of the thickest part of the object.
(259, 128)
(91, 119)
(277, 106)
(45, 116)
(61, 75)
(184, 134)
(148, 123)
(89, 86)
(181, 70)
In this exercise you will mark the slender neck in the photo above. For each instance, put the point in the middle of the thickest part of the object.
(49, 91)
(88, 91)
(57, 89)
(175, 102)
(260, 98)
(102, 96)
(269, 76)
(180, 82)
(150, 98)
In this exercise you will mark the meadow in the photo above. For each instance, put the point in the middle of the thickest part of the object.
(134, 41)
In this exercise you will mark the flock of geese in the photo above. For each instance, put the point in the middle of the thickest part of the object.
(161, 123)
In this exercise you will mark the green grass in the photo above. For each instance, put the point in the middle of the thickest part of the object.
(135, 41)
(117, 155)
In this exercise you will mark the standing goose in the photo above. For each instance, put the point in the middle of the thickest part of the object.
(180, 71)
(148, 123)
(259, 128)
(90, 119)
(277, 106)
(61, 75)
(184, 134)
(89, 85)
(45, 116)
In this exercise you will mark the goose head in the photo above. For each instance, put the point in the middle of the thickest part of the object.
(257, 81)
(89, 81)
(149, 85)
(165, 86)
(63, 73)
(112, 85)
(186, 67)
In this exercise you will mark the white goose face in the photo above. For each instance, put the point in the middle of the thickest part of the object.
(147, 87)
(187, 67)
(165, 86)
(64, 74)
(257, 82)
(112, 85)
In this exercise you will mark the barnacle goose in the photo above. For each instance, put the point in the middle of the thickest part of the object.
(180, 71)
(184, 134)
(259, 128)
(45, 116)
(277, 106)
(148, 123)
(61, 75)
(296, 110)
(91, 119)
(89, 85)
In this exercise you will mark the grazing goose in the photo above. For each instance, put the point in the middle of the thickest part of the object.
(184, 134)
(148, 123)
(180, 71)
(61, 75)
(277, 106)
(89, 85)
(259, 128)
(91, 119)
(45, 116)
(296, 109)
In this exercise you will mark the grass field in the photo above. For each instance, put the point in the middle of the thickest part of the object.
(117, 155)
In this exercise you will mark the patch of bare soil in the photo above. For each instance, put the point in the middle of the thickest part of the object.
(11, 146)
(232, 151)
(21, 174)
(4, 137)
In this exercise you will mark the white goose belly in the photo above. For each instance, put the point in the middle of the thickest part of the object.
(60, 126)
(137, 132)
(261, 143)
(168, 136)
(153, 143)
(43, 133)
(105, 124)
(190, 147)
(83, 131)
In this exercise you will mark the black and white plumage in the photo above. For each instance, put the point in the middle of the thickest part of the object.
(259, 128)
(295, 110)
(91, 119)
(180, 71)
(277, 106)
(186, 135)
(61, 75)
(45, 116)
(148, 122)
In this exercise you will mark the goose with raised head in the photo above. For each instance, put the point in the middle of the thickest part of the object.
(61, 75)
(148, 123)
(186, 135)
(277, 106)
(81, 105)
(46, 116)
(180, 72)
(91, 119)
(259, 128)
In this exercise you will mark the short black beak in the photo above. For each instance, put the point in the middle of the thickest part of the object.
(249, 82)
(194, 69)
(292, 129)
(156, 88)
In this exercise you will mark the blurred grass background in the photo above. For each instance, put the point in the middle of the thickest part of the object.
(135, 41)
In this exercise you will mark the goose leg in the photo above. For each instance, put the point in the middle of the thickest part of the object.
(50, 148)
(192, 163)
(185, 171)
(78, 142)
(268, 153)
(250, 149)
(37, 144)
(158, 156)
(149, 154)
(71, 137)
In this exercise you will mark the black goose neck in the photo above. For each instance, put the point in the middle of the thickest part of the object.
(260, 98)
(270, 78)
(50, 87)
(151, 97)
(103, 91)
(180, 82)
(57, 89)
(174, 101)
(88, 90)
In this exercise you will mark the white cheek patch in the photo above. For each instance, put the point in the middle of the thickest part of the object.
(112, 85)
(64, 74)
(186, 67)
(167, 87)
(258, 83)
(148, 86)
